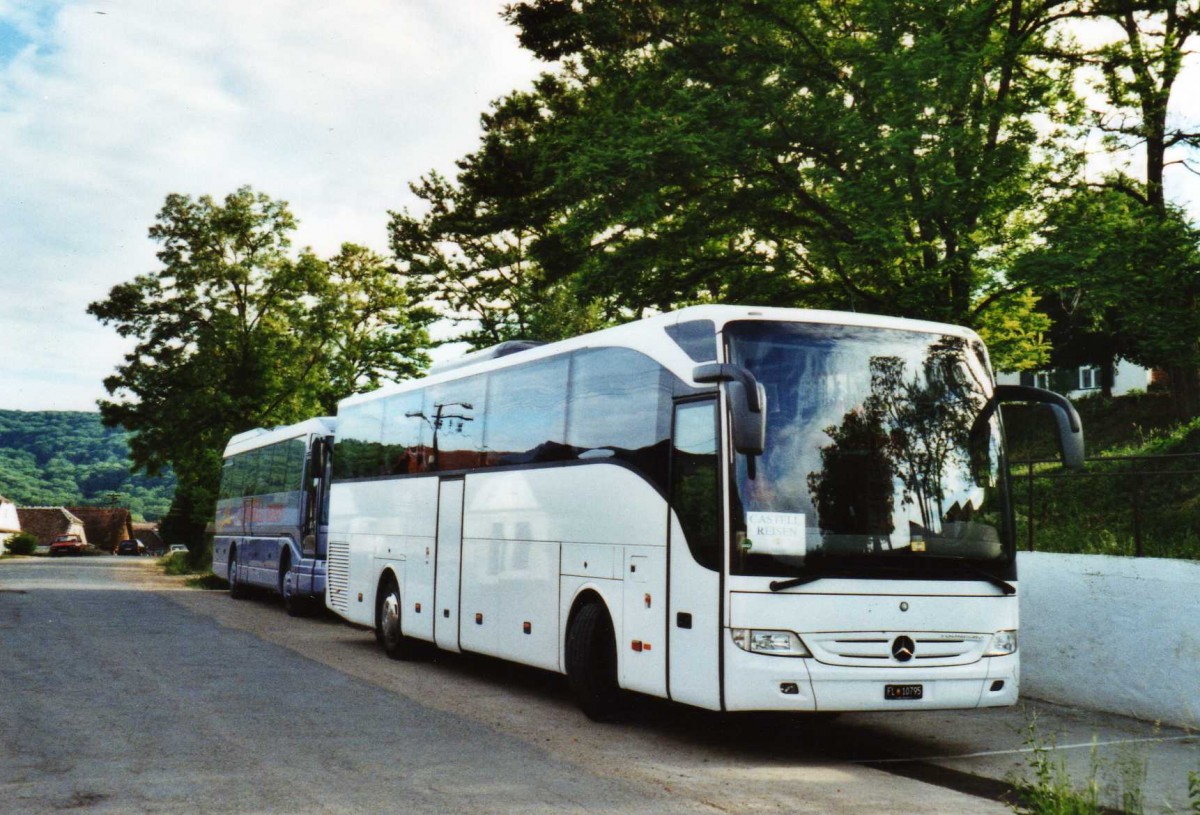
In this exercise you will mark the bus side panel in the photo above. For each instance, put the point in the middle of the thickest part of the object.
(513, 523)
(643, 620)
(416, 591)
(384, 520)
(227, 527)
(695, 654)
(510, 600)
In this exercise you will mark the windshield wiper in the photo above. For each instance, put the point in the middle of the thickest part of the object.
(875, 569)
(780, 585)
(975, 571)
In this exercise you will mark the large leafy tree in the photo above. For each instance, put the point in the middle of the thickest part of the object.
(1121, 280)
(865, 155)
(470, 250)
(234, 332)
(861, 154)
(1115, 256)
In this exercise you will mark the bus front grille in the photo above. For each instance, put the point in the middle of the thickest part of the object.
(874, 648)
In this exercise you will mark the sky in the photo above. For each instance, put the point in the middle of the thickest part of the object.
(106, 106)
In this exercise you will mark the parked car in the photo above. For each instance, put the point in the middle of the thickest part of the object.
(67, 545)
(131, 547)
(177, 547)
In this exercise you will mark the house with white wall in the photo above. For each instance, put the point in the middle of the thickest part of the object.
(1081, 381)
(10, 522)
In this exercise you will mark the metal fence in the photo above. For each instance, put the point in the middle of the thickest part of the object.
(1145, 499)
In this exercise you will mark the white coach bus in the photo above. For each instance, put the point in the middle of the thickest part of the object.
(735, 508)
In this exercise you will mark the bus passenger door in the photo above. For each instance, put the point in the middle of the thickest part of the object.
(694, 613)
(449, 561)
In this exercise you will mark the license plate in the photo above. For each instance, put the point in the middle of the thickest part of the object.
(903, 691)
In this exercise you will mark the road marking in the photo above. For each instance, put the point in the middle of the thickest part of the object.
(1022, 750)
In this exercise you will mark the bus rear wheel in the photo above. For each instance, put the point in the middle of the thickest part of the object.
(236, 590)
(592, 664)
(387, 622)
(293, 603)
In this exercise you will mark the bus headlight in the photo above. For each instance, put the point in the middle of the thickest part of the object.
(1003, 644)
(779, 643)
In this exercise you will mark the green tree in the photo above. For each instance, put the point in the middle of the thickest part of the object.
(1124, 223)
(865, 154)
(233, 332)
(1127, 279)
(469, 252)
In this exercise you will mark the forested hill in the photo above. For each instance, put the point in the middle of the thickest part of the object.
(53, 458)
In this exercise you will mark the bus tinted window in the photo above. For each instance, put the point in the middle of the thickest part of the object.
(620, 406)
(230, 485)
(275, 470)
(359, 453)
(454, 413)
(404, 433)
(526, 414)
(294, 463)
(695, 478)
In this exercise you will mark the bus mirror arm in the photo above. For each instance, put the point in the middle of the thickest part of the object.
(1070, 428)
(747, 401)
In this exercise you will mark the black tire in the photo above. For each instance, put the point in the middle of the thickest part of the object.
(294, 604)
(236, 589)
(387, 622)
(592, 664)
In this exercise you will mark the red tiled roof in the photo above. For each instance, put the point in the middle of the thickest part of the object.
(45, 523)
(106, 526)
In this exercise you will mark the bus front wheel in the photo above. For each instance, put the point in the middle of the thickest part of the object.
(387, 622)
(592, 663)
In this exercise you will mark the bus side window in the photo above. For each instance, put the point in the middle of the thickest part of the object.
(695, 496)
(526, 415)
(406, 433)
(619, 406)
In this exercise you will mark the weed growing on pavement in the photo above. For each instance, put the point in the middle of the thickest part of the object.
(1194, 791)
(1049, 789)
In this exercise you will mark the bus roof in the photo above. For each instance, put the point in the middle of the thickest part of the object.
(648, 335)
(261, 437)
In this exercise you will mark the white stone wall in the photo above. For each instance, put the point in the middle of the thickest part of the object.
(9, 522)
(1112, 633)
(1130, 377)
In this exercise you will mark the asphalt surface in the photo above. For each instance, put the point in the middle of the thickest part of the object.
(120, 691)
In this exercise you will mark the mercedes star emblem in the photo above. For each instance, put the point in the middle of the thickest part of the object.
(903, 649)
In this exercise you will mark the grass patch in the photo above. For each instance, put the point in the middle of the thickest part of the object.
(176, 563)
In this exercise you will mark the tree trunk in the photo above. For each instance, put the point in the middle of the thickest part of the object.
(1108, 375)
(1185, 391)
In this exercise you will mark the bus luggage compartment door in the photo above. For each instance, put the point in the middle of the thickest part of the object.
(449, 559)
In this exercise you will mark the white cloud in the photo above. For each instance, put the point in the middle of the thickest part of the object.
(333, 108)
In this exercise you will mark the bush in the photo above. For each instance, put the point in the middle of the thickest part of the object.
(22, 543)
(175, 563)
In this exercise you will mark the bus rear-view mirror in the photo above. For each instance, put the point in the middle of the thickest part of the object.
(1066, 418)
(747, 403)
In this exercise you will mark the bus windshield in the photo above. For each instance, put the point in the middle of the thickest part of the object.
(875, 462)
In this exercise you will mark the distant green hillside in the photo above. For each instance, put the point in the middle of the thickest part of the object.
(53, 458)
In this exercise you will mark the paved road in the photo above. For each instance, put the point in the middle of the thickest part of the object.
(121, 692)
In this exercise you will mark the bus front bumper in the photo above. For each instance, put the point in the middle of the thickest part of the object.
(763, 682)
